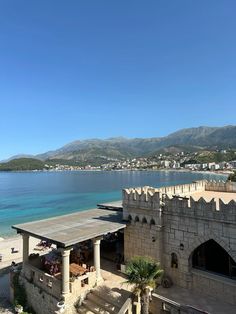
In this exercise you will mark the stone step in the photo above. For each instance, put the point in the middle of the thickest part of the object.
(94, 307)
(84, 310)
(104, 303)
(111, 297)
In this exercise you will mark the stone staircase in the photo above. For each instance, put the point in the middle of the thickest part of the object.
(103, 300)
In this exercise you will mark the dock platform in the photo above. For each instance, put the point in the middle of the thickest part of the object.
(117, 206)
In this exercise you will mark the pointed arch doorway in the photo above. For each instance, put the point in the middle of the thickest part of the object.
(211, 257)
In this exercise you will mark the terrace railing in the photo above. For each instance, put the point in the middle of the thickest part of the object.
(42, 280)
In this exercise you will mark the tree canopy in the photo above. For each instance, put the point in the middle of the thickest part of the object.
(21, 164)
(232, 177)
(143, 272)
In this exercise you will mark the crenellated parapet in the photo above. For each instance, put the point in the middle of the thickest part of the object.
(184, 189)
(146, 204)
(220, 186)
(202, 209)
(145, 197)
(149, 198)
(142, 205)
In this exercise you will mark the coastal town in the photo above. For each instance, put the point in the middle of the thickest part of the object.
(179, 161)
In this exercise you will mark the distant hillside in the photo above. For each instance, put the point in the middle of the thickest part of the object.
(97, 151)
(22, 164)
(18, 157)
(192, 139)
(212, 156)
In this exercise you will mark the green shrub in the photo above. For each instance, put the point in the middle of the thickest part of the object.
(20, 297)
(232, 177)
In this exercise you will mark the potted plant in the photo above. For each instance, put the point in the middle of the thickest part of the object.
(61, 306)
(18, 308)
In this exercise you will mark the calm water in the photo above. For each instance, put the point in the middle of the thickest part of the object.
(28, 196)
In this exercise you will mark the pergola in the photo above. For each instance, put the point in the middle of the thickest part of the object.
(68, 230)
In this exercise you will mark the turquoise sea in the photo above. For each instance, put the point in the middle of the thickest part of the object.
(27, 196)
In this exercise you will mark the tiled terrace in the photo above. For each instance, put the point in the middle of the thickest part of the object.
(197, 300)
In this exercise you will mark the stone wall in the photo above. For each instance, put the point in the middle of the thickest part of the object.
(184, 189)
(181, 225)
(141, 202)
(142, 239)
(149, 198)
(201, 209)
(79, 293)
(221, 186)
(42, 280)
(39, 300)
(220, 287)
(183, 234)
(148, 201)
(44, 291)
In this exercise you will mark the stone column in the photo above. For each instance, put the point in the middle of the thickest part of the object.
(65, 272)
(97, 265)
(130, 309)
(137, 305)
(25, 238)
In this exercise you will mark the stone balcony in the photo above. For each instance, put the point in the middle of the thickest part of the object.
(52, 284)
(47, 283)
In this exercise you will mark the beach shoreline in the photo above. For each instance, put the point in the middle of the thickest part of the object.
(11, 249)
(220, 172)
(7, 242)
(12, 237)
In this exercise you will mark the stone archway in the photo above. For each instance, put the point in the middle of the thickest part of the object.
(187, 254)
(212, 257)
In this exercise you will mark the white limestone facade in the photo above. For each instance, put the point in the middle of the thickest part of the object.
(171, 224)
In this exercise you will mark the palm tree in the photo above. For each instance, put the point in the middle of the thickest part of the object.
(143, 273)
(232, 177)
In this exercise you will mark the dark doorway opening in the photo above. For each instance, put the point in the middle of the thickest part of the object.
(112, 247)
(210, 256)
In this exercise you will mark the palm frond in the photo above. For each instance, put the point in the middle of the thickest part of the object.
(142, 272)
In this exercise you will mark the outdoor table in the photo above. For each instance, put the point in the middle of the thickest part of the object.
(77, 270)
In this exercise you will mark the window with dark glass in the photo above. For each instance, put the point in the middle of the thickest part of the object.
(210, 256)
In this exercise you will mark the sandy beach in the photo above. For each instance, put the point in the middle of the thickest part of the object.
(8, 256)
(6, 248)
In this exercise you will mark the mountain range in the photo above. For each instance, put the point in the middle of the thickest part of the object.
(97, 151)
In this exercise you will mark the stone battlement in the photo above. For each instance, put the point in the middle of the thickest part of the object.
(184, 189)
(214, 209)
(145, 197)
(149, 197)
(221, 186)
(181, 200)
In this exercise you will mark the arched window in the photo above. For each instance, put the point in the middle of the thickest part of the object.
(174, 260)
(129, 218)
(152, 222)
(211, 257)
(144, 221)
(136, 219)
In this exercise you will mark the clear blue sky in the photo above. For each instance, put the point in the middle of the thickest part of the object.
(84, 69)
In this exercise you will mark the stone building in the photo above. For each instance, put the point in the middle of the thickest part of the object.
(190, 229)
(58, 281)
